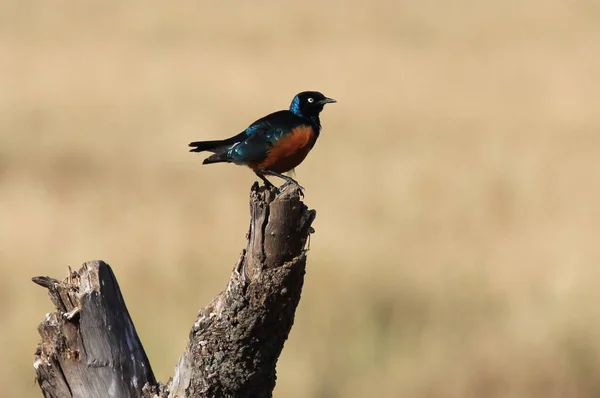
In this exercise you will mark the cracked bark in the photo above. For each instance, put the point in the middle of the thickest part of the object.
(89, 346)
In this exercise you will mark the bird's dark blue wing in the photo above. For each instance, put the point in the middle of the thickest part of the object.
(262, 134)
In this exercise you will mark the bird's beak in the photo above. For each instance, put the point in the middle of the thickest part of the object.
(327, 101)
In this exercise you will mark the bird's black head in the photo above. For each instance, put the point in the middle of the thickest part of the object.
(309, 103)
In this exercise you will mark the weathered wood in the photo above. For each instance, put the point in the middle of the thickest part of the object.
(236, 340)
(90, 348)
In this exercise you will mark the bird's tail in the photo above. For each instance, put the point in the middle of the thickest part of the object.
(211, 146)
(219, 148)
(217, 158)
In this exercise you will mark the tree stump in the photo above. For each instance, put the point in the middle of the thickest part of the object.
(90, 348)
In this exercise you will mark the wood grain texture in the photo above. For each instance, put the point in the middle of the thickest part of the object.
(236, 340)
(90, 348)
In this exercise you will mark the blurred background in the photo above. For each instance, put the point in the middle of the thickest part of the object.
(456, 182)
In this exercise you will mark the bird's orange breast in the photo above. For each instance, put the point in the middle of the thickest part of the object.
(289, 151)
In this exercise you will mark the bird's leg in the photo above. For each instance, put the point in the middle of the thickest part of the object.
(288, 179)
(268, 183)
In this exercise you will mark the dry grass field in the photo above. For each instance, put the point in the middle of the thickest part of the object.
(456, 182)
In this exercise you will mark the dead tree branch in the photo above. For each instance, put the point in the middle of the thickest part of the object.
(90, 348)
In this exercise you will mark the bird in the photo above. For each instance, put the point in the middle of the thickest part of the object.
(274, 144)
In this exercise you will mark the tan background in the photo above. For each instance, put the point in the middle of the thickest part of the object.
(457, 182)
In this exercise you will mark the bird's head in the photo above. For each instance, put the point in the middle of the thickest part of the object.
(309, 103)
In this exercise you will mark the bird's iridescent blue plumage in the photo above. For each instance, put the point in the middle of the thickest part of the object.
(263, 134)
(254, 144)
(295, 106)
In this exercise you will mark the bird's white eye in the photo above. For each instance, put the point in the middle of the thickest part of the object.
(311, 100)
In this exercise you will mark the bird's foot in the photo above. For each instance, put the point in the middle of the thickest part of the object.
(292, 182)
(268, 184)
(288, 180)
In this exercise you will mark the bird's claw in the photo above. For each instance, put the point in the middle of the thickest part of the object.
(292, 182)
